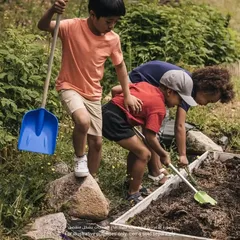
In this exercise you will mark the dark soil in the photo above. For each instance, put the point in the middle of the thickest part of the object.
(180, 213)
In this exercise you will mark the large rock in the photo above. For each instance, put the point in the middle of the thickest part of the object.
(80, 197)
(198, 143)
(61, 168)
(47, 227)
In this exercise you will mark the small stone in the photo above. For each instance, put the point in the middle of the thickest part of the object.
(223, 141)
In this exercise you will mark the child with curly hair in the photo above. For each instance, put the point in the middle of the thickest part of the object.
(210, 85)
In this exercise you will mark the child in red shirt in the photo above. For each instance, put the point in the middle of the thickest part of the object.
(118, 122)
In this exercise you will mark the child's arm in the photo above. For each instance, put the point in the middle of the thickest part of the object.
(153, 142)
(45, 22)
(180, 135)
(129, 100)
(116, 90)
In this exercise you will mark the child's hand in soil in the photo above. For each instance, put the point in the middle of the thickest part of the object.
(165, 159)
(183, 161)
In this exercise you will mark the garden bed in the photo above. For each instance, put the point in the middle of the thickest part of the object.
(176, 215)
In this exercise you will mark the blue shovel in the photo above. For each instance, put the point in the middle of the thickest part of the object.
(39, 127)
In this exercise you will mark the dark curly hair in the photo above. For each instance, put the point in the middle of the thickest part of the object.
(214, 79)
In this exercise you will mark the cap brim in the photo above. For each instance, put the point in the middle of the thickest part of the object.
(189, 100)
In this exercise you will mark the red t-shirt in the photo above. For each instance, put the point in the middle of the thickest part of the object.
(153, 108)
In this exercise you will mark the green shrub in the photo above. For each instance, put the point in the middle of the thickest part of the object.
(23, 68)
(217, 120)
(187, 33)
(23, 182)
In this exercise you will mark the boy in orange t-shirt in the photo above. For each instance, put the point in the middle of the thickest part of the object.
(86, 44)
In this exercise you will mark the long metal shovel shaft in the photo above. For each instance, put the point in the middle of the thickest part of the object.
(139, 134)
(50, 61)
(183, 178)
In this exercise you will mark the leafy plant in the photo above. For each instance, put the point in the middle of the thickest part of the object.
(23, 67)
(22, 189)
(200, 37)
(156, 32)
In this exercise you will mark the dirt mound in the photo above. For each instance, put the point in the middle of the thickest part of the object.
(179, 213)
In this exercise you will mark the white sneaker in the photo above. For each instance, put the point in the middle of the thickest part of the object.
(81, 168)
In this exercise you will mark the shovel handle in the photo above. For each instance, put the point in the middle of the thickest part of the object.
(50, 61)
(140, 134)
(183, 178)
(193, 181)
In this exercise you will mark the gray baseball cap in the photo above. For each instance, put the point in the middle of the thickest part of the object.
(180, 82)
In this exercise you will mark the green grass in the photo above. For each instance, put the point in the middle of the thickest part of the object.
(217, 121)
(231, 7)
(23, 179)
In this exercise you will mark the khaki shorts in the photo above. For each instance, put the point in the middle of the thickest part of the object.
(73, 101)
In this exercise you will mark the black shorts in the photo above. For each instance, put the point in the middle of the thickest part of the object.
(115, 124)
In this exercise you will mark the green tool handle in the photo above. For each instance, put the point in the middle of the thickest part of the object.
(50, 61)
(183, 178)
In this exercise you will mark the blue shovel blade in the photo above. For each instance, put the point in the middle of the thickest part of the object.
(38, 132)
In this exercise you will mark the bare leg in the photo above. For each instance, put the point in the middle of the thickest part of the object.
(94, 153)
(136, 147)
(81, 119)
(131, 159)
(154, 164)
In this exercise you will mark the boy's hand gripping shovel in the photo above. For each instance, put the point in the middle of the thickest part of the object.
(39, 127)
(199, 196)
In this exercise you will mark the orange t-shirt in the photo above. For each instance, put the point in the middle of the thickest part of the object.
(83, 57)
